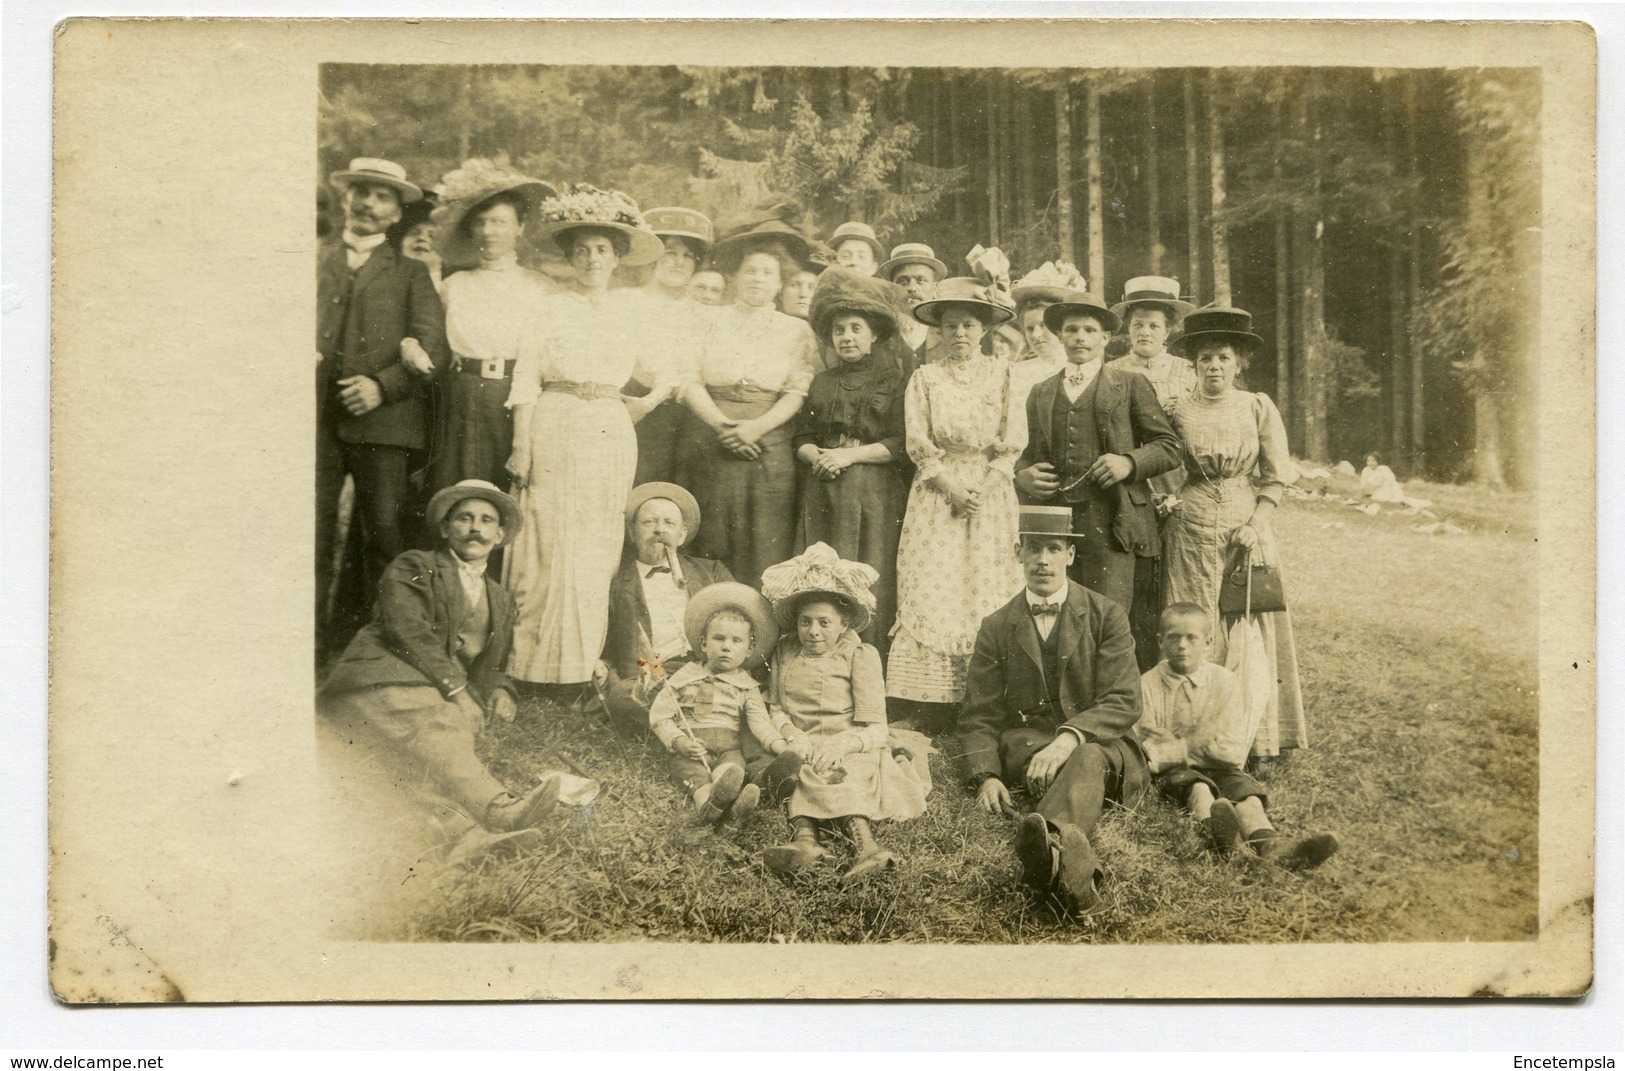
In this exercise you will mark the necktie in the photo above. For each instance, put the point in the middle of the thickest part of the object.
(657, 569)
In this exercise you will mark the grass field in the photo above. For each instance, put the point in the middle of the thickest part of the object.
(1418, 660)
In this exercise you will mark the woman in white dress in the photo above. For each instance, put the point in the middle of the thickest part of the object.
(574, 450)
(956, 560)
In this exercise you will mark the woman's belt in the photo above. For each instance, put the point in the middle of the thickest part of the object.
(591, 392)
(494, 368)
(742, 392)
(959, 453)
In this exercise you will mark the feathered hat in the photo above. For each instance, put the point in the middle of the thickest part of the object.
(1053, 281)
(819, 571)
(580, 205)
(776, 227)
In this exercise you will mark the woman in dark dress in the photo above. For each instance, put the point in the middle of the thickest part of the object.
(849, 437)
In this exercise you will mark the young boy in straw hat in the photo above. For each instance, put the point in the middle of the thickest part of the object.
(700, 713)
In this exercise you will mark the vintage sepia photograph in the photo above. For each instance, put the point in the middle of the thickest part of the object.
(892, 509)
(855, 504)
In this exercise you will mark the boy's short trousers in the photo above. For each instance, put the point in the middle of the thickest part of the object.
(721, 746)
(1226, 783)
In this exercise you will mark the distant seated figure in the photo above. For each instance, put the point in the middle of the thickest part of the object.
(648, 596)
(1194, 726)
(1379, 484)
(413, 688)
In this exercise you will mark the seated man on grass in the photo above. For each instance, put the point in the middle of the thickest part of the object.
(1050, 702)
(1193, 725)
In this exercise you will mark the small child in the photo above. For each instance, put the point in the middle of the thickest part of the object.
(700, 713)
(828, 709)
(1193, 725)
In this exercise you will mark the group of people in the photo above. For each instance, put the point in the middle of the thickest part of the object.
(961, 515)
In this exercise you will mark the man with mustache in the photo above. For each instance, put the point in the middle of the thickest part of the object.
(1051, 697)
(914, 267)
(647, 599)
(414, 688)
(374, 308)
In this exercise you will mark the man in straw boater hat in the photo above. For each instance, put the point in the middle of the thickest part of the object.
(1051, 699)
(857, 248)
(374, 307)
(415, 687)
(1095, 436)
(647, 642)
(914, 267)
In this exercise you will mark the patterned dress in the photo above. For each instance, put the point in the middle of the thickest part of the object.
(963, 418)
(748, 359)
(575, 356)
(1235, 450)
(487, 310)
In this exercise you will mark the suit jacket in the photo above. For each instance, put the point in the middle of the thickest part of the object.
(412, 638)
(1100, 681)
(1129, 422)
(359, 332)
(628, 612)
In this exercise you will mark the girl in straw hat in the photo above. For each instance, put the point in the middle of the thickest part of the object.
(827, 702)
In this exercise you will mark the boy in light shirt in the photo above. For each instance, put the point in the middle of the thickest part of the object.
(1194, 728)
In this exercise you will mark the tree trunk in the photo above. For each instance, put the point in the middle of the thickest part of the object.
(1097, 208)
(1398, 312)
(1283, 296)
(955, 112)
(991, 97)
(1153, 182)
(1487, 453)
(1193, 196)
(465, 109)
(1413, 289)
(1310, 266)
(1026, 189)
(1063, 172)
(1220, 240)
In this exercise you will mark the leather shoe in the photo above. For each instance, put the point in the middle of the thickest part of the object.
(1036, 853)
(509, 812)
(1079, 871)
(1297, 853)
(1223, 828)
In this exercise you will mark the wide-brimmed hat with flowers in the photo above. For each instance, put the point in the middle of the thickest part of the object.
(579, 205)
(841, 290)
(384, 172)
(967, 291)
(1050, 282)
(820, 572)
(775, 227)
(730, 595)
(468, 189)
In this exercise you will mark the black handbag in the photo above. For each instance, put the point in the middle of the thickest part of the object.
(1251, 587)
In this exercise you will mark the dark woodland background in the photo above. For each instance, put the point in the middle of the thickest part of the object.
(1382, 225)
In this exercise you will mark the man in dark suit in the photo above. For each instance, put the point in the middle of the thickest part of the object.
(1050, 698)
(380, 334)
(413, 688)
(646, 641)
(1095, 436)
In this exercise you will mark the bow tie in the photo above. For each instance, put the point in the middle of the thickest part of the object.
(1043, 609)
(658, 569)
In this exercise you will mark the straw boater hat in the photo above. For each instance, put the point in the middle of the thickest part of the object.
(912, 253)
(859, 232)
(468, 189)
(384, 172)
(841, 290)
(1046, 521)
(1053, 281)
(1056, 314)
(580, 205)
(447, 497)
(678, 496)
(682, 223)
(773, 227)
(820, 572)
(1157, 291)
(962, 290)
(1216, 323)
(730, 595)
